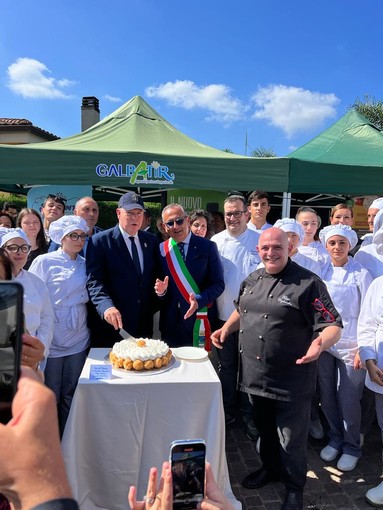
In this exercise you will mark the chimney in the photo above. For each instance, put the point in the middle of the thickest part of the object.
(90, 112)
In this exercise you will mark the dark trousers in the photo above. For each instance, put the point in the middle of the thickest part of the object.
(283, 428)
(61, 376)
(228, 374)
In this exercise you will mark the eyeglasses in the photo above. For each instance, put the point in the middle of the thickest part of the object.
(236, 214)
(177, 221)
(318, 305)
(75, 237)
(14, 248)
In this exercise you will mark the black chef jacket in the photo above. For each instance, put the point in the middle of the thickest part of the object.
(280, 315)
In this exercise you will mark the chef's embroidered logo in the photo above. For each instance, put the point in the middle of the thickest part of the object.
(284, 300)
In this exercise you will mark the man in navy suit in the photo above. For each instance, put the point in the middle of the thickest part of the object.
(122, 263)
(178, 314)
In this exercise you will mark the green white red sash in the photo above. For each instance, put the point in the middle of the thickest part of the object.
(186, 285)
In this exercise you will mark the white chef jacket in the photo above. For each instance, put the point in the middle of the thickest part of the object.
(306, 262)
(347, 286)
(239, 258)
(370, 259)
(370, 329)
(265, 226)
(38, 311)
(66, 282)
(315, 251)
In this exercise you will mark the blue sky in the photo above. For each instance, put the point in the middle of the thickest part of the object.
(279, 71)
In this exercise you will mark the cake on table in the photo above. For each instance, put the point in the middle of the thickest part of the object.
(140, 354)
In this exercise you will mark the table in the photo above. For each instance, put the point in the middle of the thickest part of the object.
(117, 429)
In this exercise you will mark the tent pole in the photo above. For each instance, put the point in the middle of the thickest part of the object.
(286, 205)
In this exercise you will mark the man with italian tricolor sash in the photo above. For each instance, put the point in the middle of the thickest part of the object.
(193, 279)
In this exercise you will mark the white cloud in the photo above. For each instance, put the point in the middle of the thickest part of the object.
(293, 109)
(112, 99)
(215, 98)
(30, 78)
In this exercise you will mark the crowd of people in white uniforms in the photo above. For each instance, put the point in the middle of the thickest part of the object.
(55, 298)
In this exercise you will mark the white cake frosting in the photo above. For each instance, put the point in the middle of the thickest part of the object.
(151, 350)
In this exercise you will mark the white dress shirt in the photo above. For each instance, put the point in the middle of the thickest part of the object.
(128, 243)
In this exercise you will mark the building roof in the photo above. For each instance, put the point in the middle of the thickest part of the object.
(7, 124)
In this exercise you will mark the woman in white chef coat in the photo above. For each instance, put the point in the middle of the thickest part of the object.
(341, 379)
(370, 342)
(37, 306)
(64, 273)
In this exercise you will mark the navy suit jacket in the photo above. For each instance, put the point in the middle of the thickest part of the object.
(113, 280)
(204, 265)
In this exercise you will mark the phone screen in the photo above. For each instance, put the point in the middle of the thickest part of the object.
(11, 301)
(188, 472)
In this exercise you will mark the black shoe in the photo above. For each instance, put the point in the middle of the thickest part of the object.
(250, 429)
(259, 479)
(293, 501)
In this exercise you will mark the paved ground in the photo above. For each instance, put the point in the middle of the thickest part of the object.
(327, 488)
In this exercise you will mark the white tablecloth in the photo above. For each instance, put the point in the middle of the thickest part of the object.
(117, 429)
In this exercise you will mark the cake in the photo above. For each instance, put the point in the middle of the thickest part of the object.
(140, 354)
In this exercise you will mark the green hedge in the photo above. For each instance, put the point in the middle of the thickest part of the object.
(107, 216)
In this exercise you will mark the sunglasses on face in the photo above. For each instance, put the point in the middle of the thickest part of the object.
(75, 237)
(14, 248)
(177, 221)
(59, 197)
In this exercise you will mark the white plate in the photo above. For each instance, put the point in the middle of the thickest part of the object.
(190, 353)
(153, 371)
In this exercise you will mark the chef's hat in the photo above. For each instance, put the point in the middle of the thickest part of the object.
(377, 203)
(291, 225)
(6, 234)
(338, 230)
(65, 225)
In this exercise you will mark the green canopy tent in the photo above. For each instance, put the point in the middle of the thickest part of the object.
(135, 147)
(346, 158)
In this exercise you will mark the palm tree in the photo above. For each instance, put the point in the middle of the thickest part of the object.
(370, 108)
(263, 152)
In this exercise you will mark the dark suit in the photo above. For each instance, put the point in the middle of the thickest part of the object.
(204, 265)
(114, 282)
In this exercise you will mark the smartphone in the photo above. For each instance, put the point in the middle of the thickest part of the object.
(187, 459)
(11, 328)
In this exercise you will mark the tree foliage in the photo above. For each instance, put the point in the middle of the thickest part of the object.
(263, 152)
(370, 108)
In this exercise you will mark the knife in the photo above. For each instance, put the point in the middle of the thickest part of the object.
(125, 335)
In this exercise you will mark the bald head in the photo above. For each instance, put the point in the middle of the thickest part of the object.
(87, 208)
(273, 248)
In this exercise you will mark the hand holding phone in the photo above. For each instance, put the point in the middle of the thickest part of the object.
(11, 312)
(187, 459)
